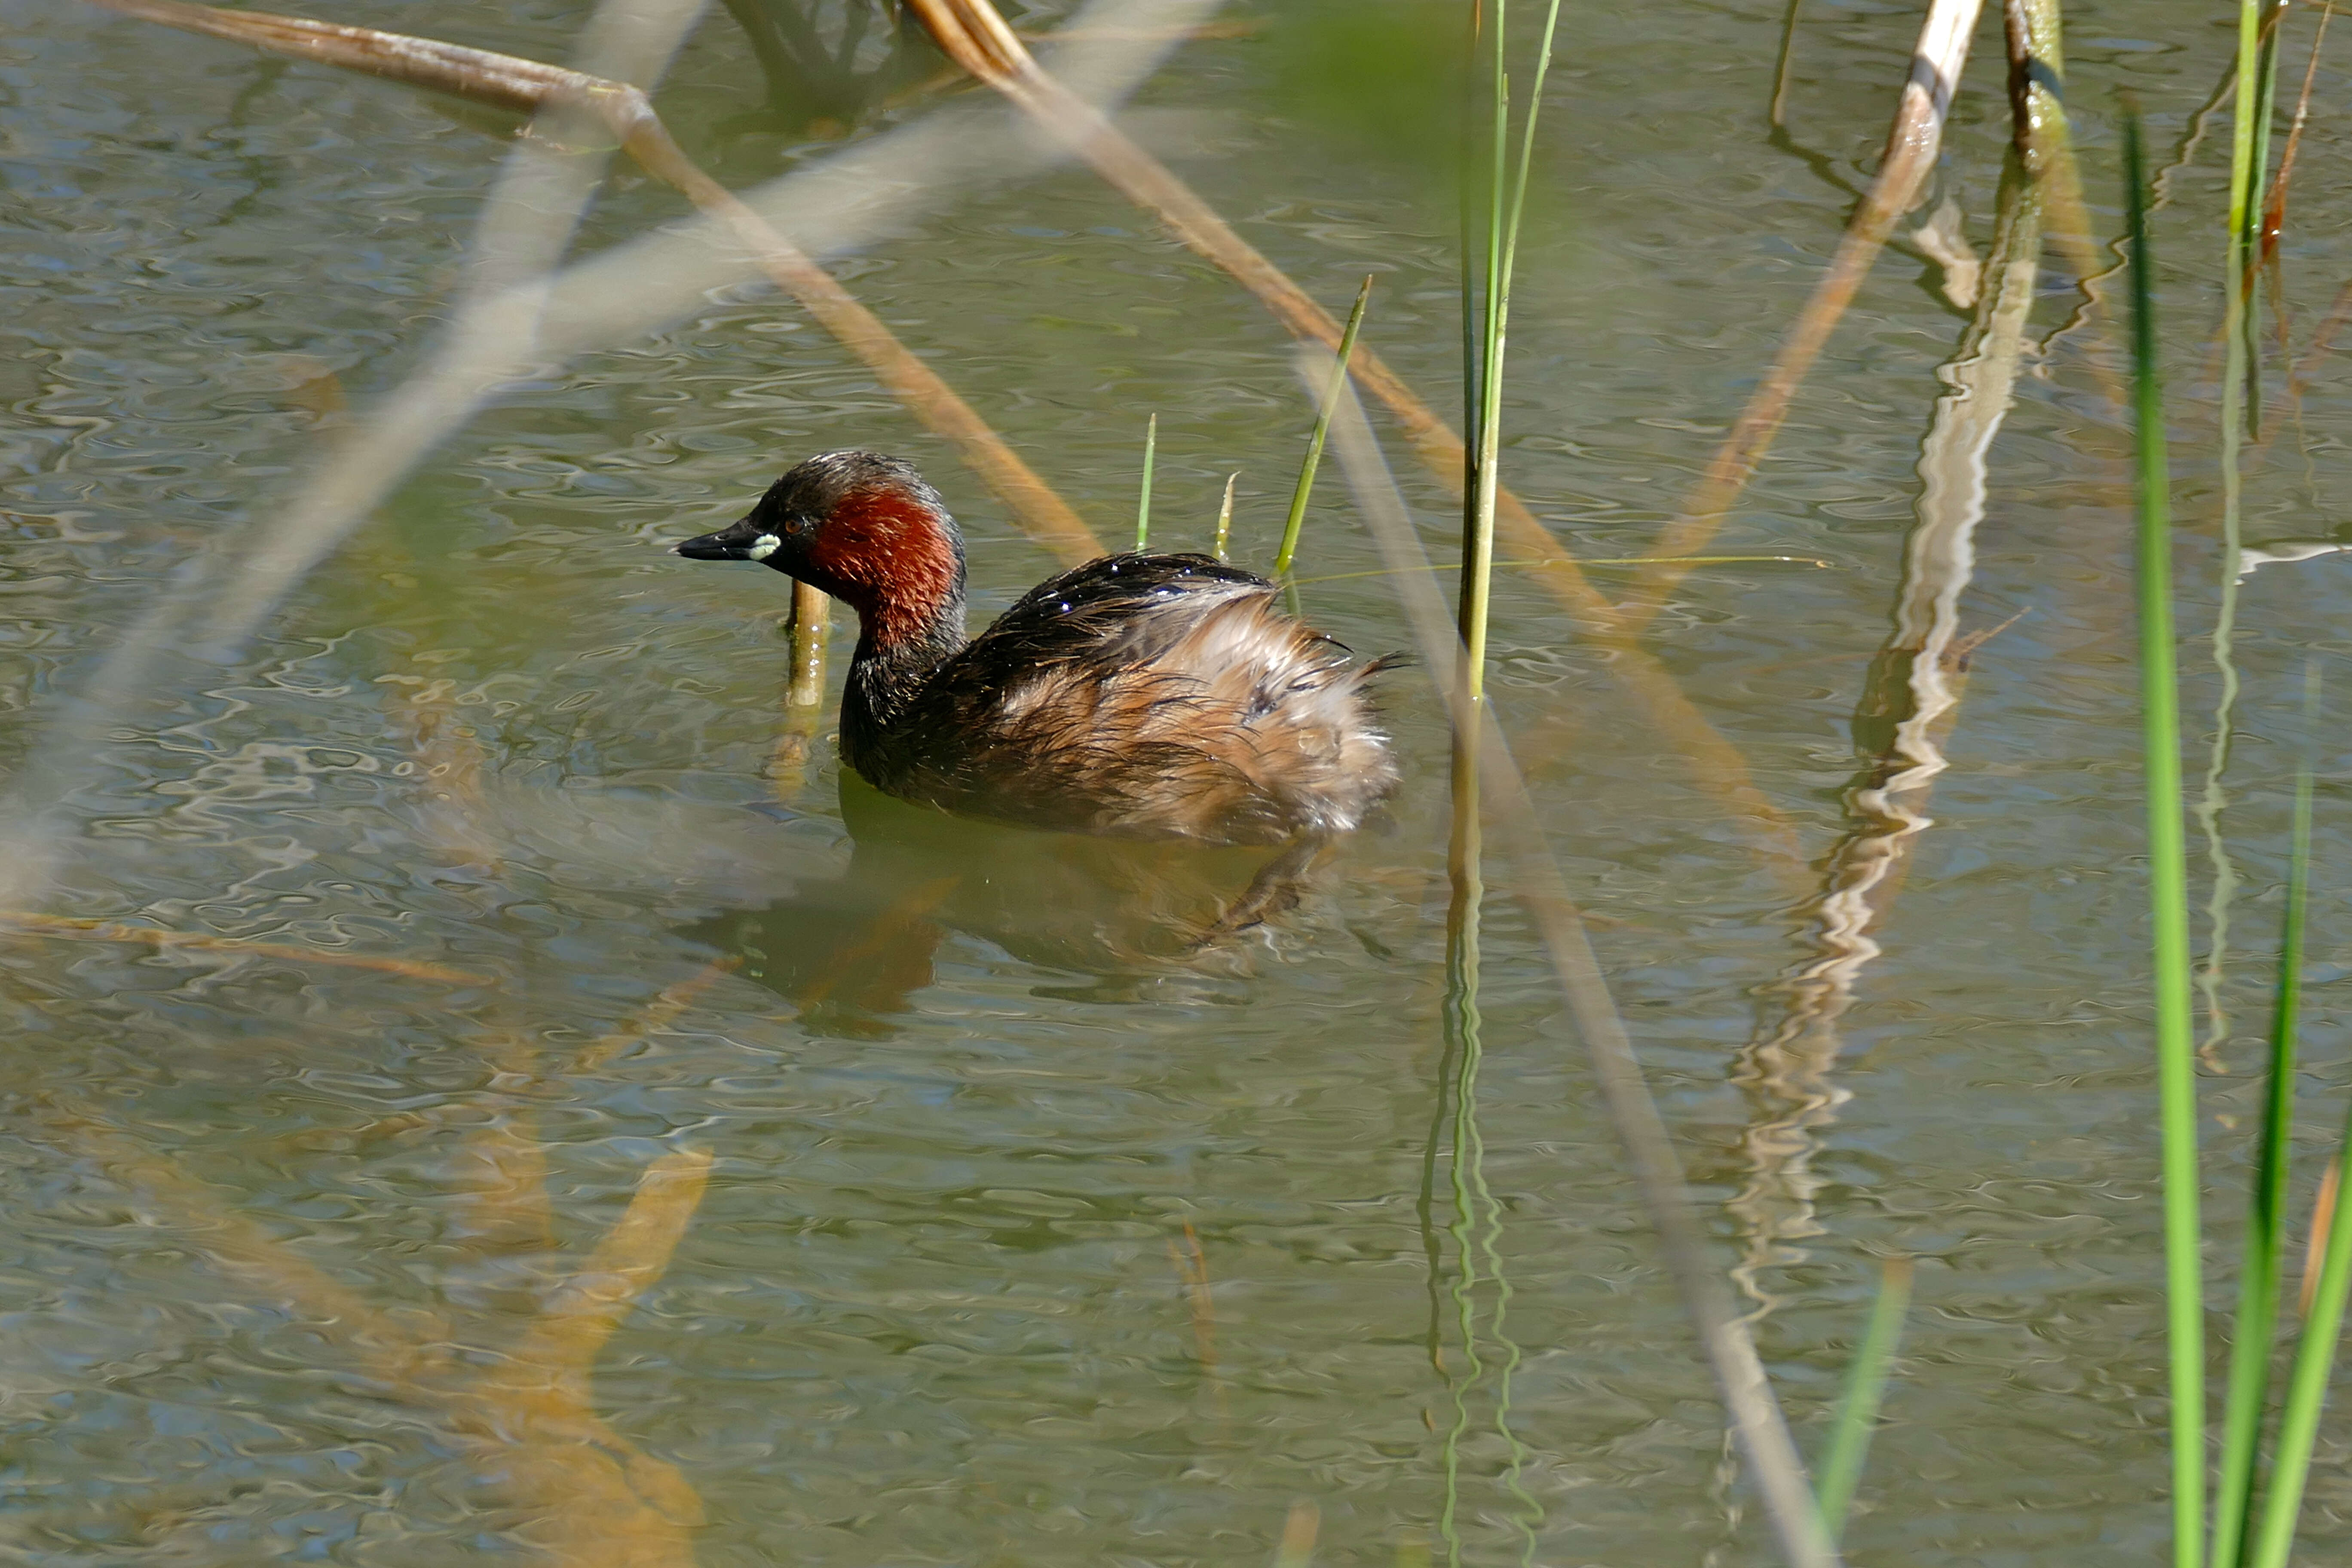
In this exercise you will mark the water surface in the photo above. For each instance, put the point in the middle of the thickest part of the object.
(1026, 1239)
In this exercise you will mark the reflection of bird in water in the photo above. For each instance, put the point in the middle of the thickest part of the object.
(848, 947)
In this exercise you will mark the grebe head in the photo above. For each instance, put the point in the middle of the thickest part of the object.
(862, 528)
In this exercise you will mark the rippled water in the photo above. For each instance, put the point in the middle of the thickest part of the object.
(1022, 1239)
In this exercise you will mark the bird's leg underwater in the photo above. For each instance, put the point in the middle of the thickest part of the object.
(1274, 890)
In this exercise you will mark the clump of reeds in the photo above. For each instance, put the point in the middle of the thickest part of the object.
(2253, 1516)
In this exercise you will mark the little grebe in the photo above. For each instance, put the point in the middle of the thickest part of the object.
(1136, 696)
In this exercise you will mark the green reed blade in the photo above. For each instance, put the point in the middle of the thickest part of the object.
(2167, 886)
(1297, 518)
(1866, 1386)
(1225, 515)
(2242, 202)
(2308, 1381)
(2307, 1387)
(1143, 502)
(2266, 1249)
(1507, 197)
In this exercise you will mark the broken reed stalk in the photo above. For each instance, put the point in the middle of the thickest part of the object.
(1536, 882)
(973, 35)
(503, 81)
(1911, 148)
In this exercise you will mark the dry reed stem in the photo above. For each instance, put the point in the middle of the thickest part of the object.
(1191, 1267)
(1298, 1532)
(1911, 148)
(450, 764)
(887, 930)
(1522, 847)
(584, 1494)
(498, 1183)
(244, 1252)
(581, 1314)
(527, 87)
(975, 36)
(73, 929)
(2275, 208)
(2323, 1214)
(808, 629)
(658, 1014)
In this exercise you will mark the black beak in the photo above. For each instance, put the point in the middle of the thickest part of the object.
(742, 541)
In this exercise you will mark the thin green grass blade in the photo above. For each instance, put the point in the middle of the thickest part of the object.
(1225, 515)
(1143, 502)
(2263, 1264)
(2167, 886)
(2315, 1355)
(1865, 1387)
(1297, 519)
(1507, 205)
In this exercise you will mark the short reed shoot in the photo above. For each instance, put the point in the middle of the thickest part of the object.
(1143, 500)
(1297, 519)
(1865, 1390)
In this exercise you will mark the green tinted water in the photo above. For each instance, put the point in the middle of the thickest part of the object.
(1027, 1238)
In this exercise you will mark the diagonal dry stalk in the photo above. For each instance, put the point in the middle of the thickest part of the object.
(504, 82)
(975, 36)
(32, 923)
(1534, 876)
(585, 1495)
(1911, 148)
(972, 34)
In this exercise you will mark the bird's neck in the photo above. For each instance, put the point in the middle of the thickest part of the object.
(896, 653)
